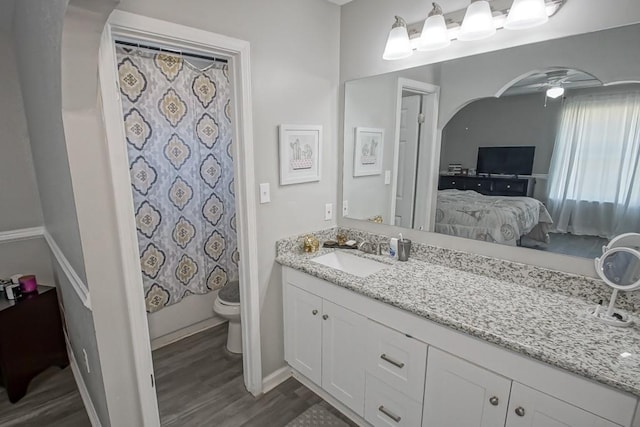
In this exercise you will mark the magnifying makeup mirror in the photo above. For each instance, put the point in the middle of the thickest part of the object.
(619, 267)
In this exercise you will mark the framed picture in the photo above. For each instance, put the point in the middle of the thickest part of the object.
(367, 158)
(300, 153)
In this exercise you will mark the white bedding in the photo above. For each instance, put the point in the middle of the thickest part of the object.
(498, 219)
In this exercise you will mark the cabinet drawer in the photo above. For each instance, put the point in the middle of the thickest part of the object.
(385, 406)
(396, 359)
(479, 185)
(508, 187)
(451, 182)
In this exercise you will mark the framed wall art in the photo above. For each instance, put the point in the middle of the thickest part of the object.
(300, 153)
(367, 159)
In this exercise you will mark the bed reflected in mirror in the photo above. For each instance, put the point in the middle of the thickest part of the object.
(551, 173)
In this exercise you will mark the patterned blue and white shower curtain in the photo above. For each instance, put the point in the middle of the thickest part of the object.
(178, 130)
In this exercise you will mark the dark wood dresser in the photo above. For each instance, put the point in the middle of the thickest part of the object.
(488, 185)
(31, 339)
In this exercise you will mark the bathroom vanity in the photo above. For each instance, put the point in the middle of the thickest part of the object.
(423, 344)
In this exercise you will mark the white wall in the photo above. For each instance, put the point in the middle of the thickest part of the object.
(294, 59)
(506, 121)
(369, 103)
(365, 25)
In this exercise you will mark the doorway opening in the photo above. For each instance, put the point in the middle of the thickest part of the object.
(150, 32)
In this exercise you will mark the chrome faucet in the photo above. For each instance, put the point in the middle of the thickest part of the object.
(370, 247)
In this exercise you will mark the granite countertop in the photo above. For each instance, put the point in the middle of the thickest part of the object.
(548, 326)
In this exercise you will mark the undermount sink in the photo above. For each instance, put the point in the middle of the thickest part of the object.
(352, 264)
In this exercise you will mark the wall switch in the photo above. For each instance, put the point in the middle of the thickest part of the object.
(387, 177)
(345, 208)
(86, 360)
(265, 193)
(328, 211)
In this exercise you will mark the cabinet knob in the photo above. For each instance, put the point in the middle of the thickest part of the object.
(494, 400)
(520, 411)
(453, 182)
(508, 186)
(314, 312)
(479, 185)
(325, 316)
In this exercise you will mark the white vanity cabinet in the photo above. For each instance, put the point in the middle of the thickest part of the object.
(351, 347)
(325, 342)
(459, 393)
(531, 408)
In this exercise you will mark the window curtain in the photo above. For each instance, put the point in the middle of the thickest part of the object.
(594, 177)
(178, 131)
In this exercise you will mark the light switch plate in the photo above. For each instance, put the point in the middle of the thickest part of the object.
(265, 193)
(328, 211)
(345, 207)
(387, 177)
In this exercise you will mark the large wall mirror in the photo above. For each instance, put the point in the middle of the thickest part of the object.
(536, 146)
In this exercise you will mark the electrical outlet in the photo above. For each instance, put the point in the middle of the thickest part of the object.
(328, 211)
(345, 207)
(86, 360)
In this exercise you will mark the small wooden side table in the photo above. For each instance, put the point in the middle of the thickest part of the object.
(31, 339)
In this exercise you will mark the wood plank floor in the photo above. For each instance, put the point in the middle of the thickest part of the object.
(199, 383)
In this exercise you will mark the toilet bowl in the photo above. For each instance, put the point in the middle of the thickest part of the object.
(227, 306)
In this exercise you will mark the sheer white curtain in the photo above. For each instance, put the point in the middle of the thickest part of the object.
(594, 177)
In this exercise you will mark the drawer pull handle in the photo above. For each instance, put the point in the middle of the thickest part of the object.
(389, 414)
(520, 411)
(392, 361)
(494, 400)
(314, 312)
(325, 316)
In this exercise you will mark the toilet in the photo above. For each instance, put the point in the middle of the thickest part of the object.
(227, 306)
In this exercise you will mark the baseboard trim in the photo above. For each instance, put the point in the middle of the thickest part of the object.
(21, 234)
(329, 399)
(276, 378)
(78, 285)
(172, 337)
(82, 387)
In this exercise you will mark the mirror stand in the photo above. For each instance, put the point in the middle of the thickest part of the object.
(610, 315)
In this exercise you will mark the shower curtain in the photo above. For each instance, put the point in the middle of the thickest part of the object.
(178, 131)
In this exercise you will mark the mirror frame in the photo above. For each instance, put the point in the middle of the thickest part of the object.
(600, 262)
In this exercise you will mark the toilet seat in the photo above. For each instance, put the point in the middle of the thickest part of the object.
(230, 294)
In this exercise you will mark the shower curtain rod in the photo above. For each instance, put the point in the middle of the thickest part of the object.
(159, 49)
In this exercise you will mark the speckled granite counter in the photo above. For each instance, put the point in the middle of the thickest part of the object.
(550, 326)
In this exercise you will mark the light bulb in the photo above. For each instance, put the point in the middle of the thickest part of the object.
(398, 45)
(478, 22)
(526, 14)
(555, 92)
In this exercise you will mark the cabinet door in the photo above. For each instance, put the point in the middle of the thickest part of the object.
(303, 332)
(460, 394)
(343, 341)
(531, 408)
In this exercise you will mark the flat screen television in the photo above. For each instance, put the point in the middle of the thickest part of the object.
(505, 160)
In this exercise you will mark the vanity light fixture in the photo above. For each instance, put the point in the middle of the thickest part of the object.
(398, 45)
(555, 92)
(434, 32)
(478, 22)
(526, 14)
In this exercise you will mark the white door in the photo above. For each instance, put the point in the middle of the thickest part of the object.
(303, 332)
(407, 160)
(531, 408)
(343, 342)
(460, 394)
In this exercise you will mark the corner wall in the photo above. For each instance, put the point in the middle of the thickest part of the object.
(37, 34)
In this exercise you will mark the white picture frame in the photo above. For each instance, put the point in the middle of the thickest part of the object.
(300, 149)
(369, 148)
